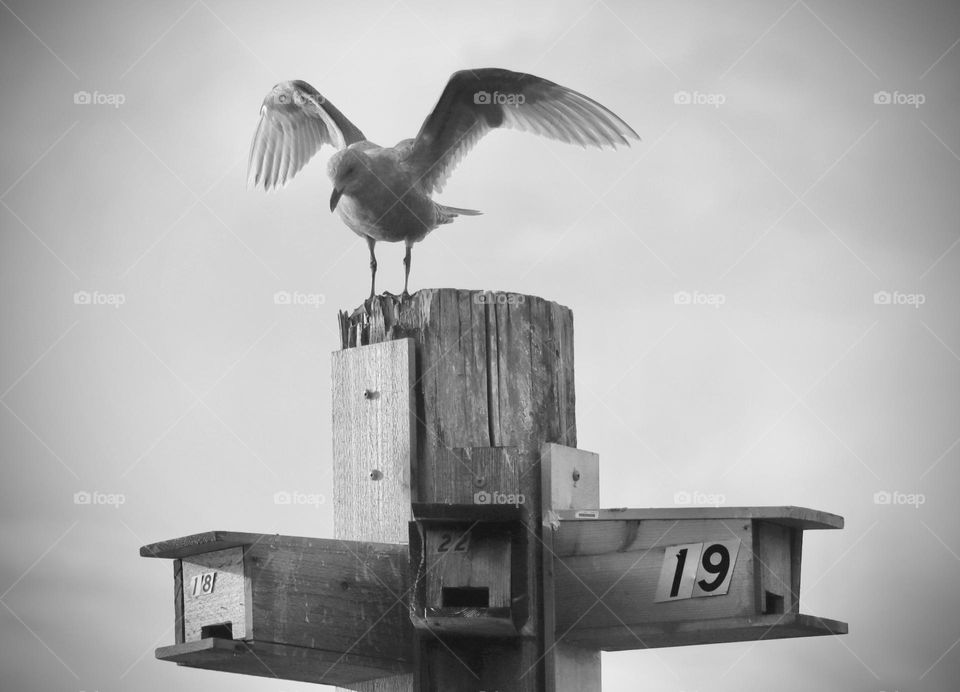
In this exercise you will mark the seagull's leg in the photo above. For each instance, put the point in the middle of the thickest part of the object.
(373, 267)
(406, 271)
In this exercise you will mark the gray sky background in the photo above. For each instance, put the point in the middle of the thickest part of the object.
(781, 211)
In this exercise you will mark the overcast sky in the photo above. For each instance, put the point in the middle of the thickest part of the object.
(764, 289)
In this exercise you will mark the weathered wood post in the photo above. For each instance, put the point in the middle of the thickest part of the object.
(471, 552)
(494, 382)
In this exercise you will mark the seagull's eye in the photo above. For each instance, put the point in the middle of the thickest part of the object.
(282, 98)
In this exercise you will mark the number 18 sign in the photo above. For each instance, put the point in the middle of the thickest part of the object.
(693, 570)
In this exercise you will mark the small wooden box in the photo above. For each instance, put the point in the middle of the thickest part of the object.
(470, 571)
(639, 578)
(294, 608)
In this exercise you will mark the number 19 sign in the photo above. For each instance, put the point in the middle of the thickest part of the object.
(693, 570)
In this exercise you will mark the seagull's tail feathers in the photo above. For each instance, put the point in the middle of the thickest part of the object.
(448, 214)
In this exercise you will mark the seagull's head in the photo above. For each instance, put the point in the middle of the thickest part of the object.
(346, 172)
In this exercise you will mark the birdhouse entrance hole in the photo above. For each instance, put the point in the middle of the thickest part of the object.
(224, 630)
(774, 604)
(465, 597)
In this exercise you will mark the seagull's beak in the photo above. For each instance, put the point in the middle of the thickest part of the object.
(334, 198)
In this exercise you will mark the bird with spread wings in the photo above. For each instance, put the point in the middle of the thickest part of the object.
(385, 193)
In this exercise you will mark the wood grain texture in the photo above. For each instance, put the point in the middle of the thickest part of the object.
(774, 568)
(228, 601)
(459, 557)
(607, 571)
(493, 370)
(570, 478)
(460, 473)
(331, 595)
(374, 448)
(655, 635)
(373, 441)
(280, 661)
(178, 601)
(796, 557)
(320, 610)
(795, 517)
(608, 574)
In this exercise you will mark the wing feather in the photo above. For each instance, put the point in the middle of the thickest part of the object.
(295, 121)
(477, 101)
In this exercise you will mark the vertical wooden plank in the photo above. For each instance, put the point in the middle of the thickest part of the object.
(796, 555)
(774, 558)
(373, 441)
(178, 601)
(575, 669)
(571, 480)
(374, 451)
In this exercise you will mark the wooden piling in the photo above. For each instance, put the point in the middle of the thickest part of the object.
(493, 370)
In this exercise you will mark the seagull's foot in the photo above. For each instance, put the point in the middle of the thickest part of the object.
(404, 296)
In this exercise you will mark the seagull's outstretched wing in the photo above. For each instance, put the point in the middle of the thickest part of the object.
(476, 101)
(295, 120)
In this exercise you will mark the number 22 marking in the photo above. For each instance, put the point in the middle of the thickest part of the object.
(461, 545)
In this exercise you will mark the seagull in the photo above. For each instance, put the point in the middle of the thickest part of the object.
(386, 193)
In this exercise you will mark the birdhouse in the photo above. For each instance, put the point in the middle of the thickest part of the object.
(469, 567)
(673, 577)
(288, 607)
